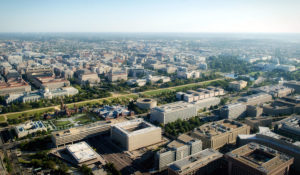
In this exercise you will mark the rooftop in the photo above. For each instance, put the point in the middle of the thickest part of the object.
(196, 160)
(82, 152)
(216, 128)
(180, 105)
(260, 157)
(136, 126)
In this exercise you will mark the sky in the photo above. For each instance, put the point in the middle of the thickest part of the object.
(225, 16)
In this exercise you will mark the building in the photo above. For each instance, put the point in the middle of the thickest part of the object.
(200, 94)
(115, 75)
(204, 162)
(293, 84)
(233, 111)
(206, 103)
(184, 73)
(158, 79)
(45, 93)
(14, 87)
(138, 82)
(256, 99)
(254, 123)
(254, 111)
(82, 153)
(289, 127)
(274, 141)
(275, 90)
(146, 103)
(256, 159)
(49, 82)
(88, 78)
(171, 112)
(238, 85)
(71, 135)
(110, 112)
(217, 134)
(30, 127)
(177, 150)
(131, 134)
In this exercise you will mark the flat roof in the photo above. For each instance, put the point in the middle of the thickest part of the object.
(216, 128)
(260, 157)
(82, 152)
(126, 127)
(176, 106)
(196, 160)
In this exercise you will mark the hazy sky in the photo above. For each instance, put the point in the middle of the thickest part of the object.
(150, 16)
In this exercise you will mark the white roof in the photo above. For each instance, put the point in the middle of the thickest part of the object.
(82, 152)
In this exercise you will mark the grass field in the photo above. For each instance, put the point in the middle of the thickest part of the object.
(58, 123)
(2, 118)
(28, 113)
(83, 119)
(156, 92)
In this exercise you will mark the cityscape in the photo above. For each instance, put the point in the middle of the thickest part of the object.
(164, 92)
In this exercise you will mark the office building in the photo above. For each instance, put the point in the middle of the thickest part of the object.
(135, 134)
(256, 99)
(275, 141)
(238, 85)
(71, 135)
(115, 75)
(171, 112)
(14, 87)
(217, 134)
(275, 90)
(177, 150)
(289, 127)
(204, 162)
(255, 122)
(256, 159)
(293, 84)
(233, 111)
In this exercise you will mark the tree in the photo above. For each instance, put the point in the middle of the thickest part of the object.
(85, 170)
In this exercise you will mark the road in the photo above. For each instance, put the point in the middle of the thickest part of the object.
(107, 98)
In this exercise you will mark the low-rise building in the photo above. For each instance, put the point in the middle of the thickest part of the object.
(41, 94)
(275, 90)
(217, 134)
(275, 141)
(146, 103)
(256, 159)
(238, 85)
(204, 162)
(14, 87)
(290, 127)
(256, 99)
(115, 75)
(30, 127)
(293, 84)
(82, 153)
(177, 150)
(71, 135)
(171, 112)
(131, 134)
(233, 111)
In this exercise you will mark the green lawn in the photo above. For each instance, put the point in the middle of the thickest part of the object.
(2, 119)
(83, 119)
(29, 113)
(155, 92)
(61, 123)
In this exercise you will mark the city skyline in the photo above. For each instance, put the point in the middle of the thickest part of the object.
(177, 16)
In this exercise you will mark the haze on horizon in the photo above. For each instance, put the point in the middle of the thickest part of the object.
(230, 16)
